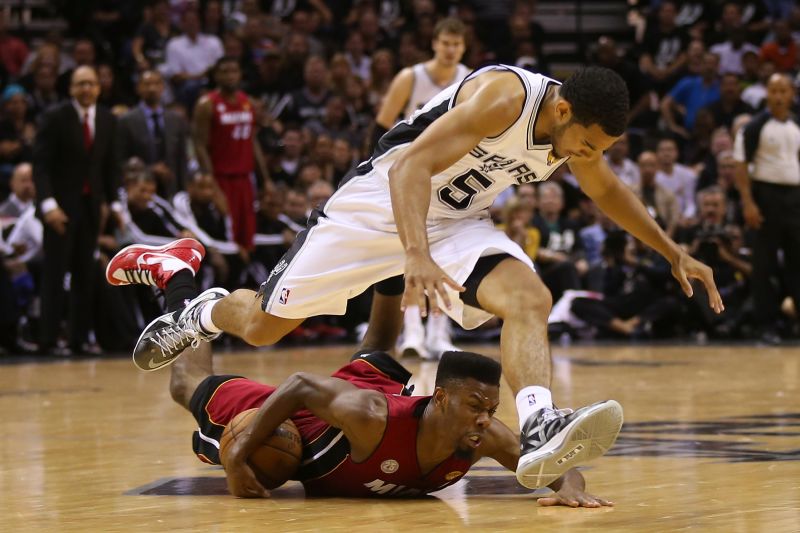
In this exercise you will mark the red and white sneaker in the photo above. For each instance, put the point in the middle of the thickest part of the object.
(154, 265)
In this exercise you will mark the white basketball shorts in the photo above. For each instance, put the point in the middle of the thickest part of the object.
(355, 244)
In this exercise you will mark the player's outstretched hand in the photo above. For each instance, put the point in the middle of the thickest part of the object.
(687, 267)
(423, 275)
(573, 497)
(242, 483)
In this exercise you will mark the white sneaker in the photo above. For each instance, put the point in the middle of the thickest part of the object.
(437, 337)
(555, 440)
(412, 343)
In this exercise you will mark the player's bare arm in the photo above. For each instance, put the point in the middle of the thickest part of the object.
(618, 202)
(502, 445)
(359, 413)
(486, 106)
(395, 99)
(201, 128)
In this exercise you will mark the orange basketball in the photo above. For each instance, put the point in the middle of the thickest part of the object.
(276, 460)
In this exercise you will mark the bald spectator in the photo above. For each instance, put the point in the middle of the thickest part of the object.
(660, 201)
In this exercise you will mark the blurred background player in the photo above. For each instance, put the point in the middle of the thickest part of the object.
(224, 139)
(411, 89)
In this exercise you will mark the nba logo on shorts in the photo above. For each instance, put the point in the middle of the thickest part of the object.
(284, 296)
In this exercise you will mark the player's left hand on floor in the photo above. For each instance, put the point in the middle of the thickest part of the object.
(687, 267)
(242, 483)
(574, 498)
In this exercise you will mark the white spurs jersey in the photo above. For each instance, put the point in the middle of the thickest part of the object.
(424, 88)
(470, 185)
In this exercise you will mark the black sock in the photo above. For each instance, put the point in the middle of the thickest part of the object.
(180, 289)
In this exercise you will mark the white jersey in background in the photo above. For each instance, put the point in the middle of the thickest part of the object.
(424, 88)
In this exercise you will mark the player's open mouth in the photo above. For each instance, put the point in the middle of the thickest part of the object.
(474, 440)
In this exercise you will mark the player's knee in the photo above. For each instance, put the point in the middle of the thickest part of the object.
(532, 301)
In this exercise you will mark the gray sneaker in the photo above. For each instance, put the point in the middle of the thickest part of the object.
(164, 339)
(555, 440)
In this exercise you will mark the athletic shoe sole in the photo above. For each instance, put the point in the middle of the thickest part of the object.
(588, 437)
(152, 359)
(191, 244)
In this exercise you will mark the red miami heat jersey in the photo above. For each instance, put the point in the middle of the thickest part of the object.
(393, 468)
(231, 135)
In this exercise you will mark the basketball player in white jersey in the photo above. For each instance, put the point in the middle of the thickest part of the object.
(411, 89)
(418, 209)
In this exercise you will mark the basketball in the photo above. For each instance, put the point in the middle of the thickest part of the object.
(276, 460)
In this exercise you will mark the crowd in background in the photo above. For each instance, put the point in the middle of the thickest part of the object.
(314, 73)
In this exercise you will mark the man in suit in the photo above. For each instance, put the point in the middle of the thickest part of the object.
(156, 136)
(76, 179)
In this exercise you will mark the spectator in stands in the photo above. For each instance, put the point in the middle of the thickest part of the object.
(308, 104)
(560, 254)
(155, 135)
(782, 50)
(149, 46)
(609, 56)
(203, 210)
(756, 93)
(295, 54)
(83, 55)
(318, 193)
(296, 209)
(273, 236)
(286, 165)
(730, 104)
(355, 53)
(16, 132)
(43, 90)
(770, 191)
(518, 223)
(189, 57)
(13, 51)
(343, 160)
(381, 75)
(21, 231)
(617, 158)
(147, 218)
(689, 95)
(660, 201)
(731, 51)
(710, 241)
(664, 48)
(721, 140)
(634, 298)
(266, 84)
(75, 174)
(113, 94)
(675, 177)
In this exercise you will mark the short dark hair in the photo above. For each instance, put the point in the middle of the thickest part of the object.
(454, 366)
(598, 96)
(226, 59)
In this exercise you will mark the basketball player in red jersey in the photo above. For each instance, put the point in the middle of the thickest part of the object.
(226, 145)
(363, 434)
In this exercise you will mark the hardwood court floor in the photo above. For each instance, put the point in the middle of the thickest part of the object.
(710, 444)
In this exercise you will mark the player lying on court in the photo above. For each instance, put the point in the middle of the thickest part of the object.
(417, 212)
(362, 433)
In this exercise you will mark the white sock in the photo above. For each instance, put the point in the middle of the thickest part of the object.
(205, 317)
(530, 400)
